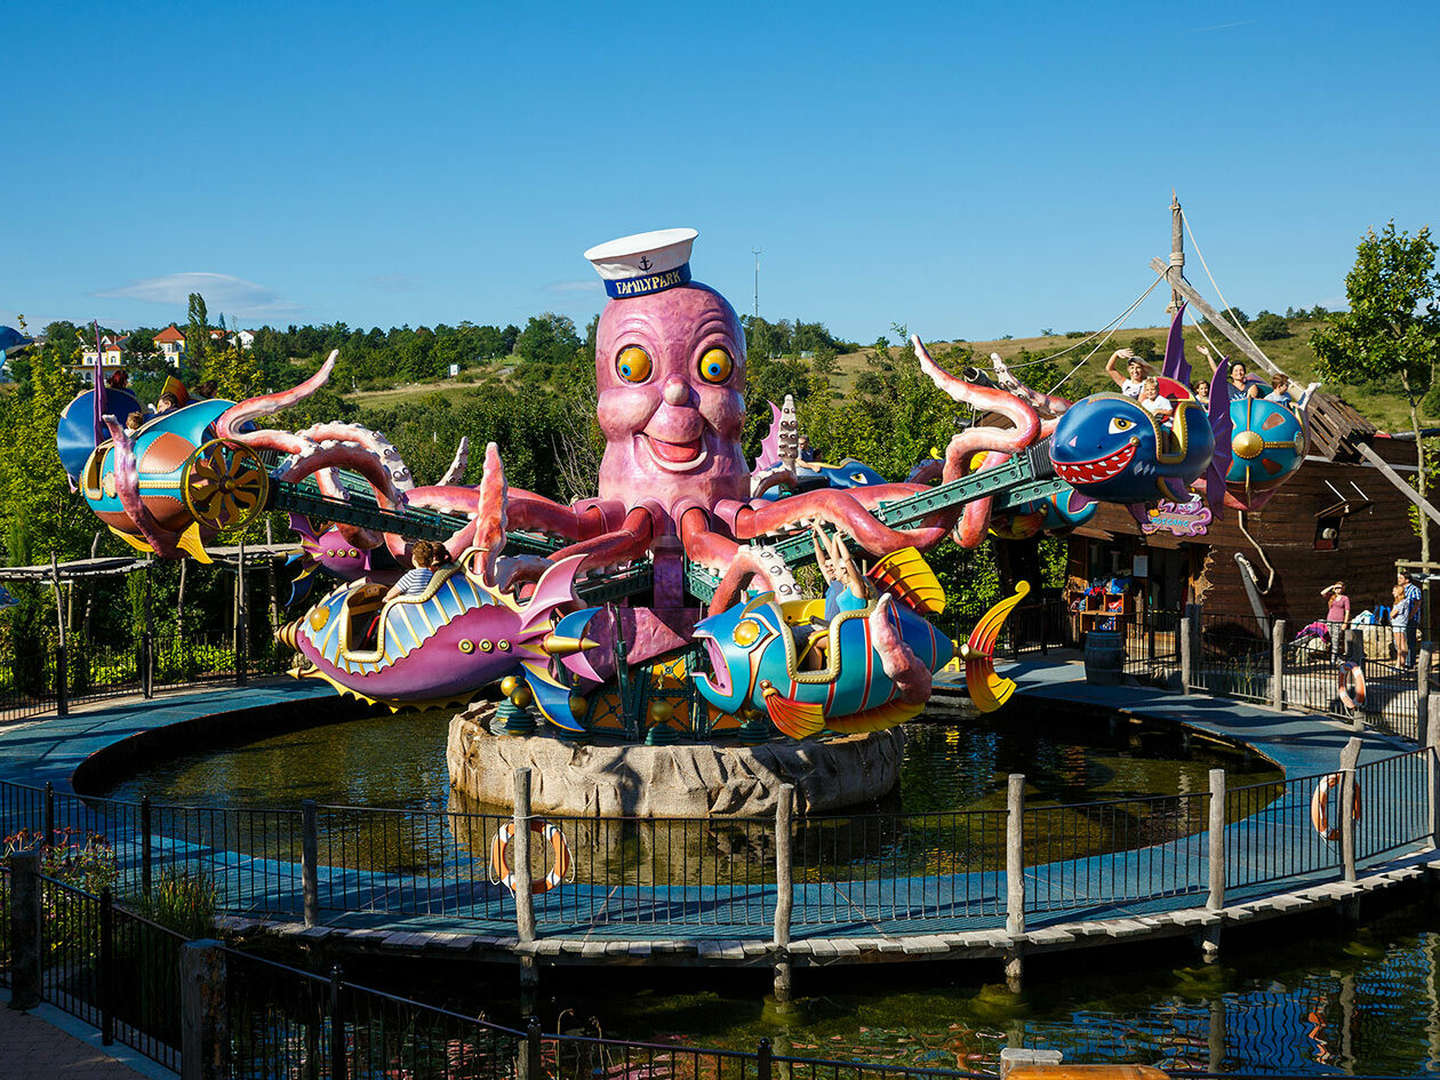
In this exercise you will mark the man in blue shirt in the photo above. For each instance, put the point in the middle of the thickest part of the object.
(1414, 609)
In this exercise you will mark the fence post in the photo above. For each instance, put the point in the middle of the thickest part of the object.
(1015, 878)
(1216, 900)
(784, 891)
(146, 851)
(106, 974)
(203, 1013)
(1187, 648)
(1277, 664)
(62, 676)
(520, 859)
(1355, 646)
(1422, 684)
(764, 1060)
(1432, 768)
(309, 861)
(1349, 758)
(147, 672)
(338, 1062)
(49, 814)
(24, 930)
(531, 1065)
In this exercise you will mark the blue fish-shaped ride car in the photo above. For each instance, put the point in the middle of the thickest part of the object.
(1108, 447)
(862, 681)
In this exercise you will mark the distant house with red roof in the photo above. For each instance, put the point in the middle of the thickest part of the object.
(171, 343)
(110, 354)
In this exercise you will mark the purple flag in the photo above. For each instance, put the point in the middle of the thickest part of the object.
(1175, 366)
(101, 432)
(1223, 428)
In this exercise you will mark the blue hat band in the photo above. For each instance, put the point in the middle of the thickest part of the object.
(648, 283)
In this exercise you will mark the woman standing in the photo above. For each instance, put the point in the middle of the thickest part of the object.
(1400, 625)
(1337, 615)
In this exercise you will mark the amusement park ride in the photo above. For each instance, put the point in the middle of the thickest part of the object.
(666, 606)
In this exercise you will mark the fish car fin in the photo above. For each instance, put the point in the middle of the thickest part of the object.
(794, 718)
(987, 689)
(134, 541)
(192, 545)
(552, 698)
(876, 719)
(906, 574)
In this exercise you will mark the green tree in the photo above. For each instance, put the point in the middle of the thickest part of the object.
(1267, 326)
(197, 333)
(1392, 331)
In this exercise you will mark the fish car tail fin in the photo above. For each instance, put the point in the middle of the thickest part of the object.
(876, 719)
(987, 689)
(794, 718)
(906, 574)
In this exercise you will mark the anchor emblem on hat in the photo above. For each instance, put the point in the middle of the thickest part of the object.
(644, 263)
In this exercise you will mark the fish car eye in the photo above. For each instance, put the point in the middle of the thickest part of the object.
(1120, 424)
(716, 365)
(858, 478)
(633, 364)
(747, 632)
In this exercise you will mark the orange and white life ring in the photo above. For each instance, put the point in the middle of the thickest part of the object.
(1352, 685)
(1320, 805)
(502, 873)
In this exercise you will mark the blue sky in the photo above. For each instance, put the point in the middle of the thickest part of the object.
(967, 169)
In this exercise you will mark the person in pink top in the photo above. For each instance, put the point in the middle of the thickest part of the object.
(1337, 615)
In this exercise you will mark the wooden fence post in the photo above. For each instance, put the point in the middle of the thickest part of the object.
(1216, 899)
(1423, 661)
(1349, 758)
(339, 1060)
(1015, 878)
(1187, 651)
(1432, 768)
(310, 861)
(784, 891)
(25, 930)
(203, 1038)
(1277, 664)
(520, 859)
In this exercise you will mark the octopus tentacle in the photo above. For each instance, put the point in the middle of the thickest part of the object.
(739, 565)
(127, 490)
(630, 541)
(456, 472)
(372, 441)
(842, 510)
(243, 411)
(490, 524)
(1005, 378)
(912, 679)
(999, 443)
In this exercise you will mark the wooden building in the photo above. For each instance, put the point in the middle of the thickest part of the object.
(1337, 518)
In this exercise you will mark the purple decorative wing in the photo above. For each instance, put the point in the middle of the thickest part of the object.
(1175, 366)
(1223, 428)
(770, 445)
(101, 433)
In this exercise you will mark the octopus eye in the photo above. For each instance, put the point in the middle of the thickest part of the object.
(1119, 424)
(716, 365)
(633, 364)
(747, 632)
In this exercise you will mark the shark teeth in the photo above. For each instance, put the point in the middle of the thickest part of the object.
(1099, 470)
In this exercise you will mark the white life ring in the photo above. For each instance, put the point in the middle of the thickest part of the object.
(561, 864)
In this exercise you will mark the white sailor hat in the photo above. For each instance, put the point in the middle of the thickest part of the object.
(647, 262)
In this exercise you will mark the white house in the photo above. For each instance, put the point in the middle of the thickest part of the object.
(171, 343)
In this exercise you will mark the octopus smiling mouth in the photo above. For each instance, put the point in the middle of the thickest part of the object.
(675, 457)
(1101, 469)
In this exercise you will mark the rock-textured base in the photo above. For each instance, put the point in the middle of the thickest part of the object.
(695, 780)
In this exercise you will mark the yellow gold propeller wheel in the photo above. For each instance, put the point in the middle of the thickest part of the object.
(225, 484)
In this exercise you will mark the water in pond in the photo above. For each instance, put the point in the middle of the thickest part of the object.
(399, 761)
(1367, 1004)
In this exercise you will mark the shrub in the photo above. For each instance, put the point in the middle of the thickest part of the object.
(181, 901)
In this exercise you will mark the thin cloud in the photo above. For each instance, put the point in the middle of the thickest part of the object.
(393, 283)
(222, 292)
(581, 286)
(1222, 26)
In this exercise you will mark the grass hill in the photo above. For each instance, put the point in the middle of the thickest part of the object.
(1383, 406)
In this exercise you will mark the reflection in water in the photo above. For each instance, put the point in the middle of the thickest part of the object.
(1366, 1005)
